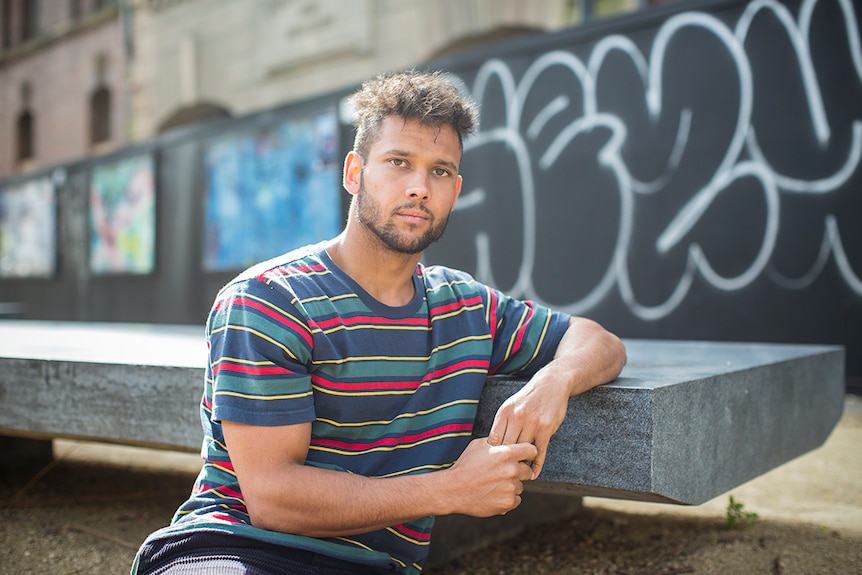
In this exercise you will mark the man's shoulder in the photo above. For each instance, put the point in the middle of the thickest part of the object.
(440, 277)
(301, 261)
(439, 273)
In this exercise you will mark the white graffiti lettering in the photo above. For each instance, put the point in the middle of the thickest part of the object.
(540, 137)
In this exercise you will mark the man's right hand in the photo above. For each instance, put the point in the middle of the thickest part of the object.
(489, 479)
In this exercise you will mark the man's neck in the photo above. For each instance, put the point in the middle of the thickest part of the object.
(385, 274)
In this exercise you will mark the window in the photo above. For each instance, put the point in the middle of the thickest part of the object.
(75, 9)
(25, 127)
(100, 102)
(25, 136)
(29, 19)
(100, 115)
(6, 25)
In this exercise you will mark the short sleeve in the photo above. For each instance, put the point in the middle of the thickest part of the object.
(525, 335)
(259, 351)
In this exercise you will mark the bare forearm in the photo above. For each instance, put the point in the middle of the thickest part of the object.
(486, 480)
(332, 503)
(587, 356)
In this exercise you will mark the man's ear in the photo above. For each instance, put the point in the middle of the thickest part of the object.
(458, 184)
(352, 173)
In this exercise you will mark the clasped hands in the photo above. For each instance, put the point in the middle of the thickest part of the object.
(493, 469)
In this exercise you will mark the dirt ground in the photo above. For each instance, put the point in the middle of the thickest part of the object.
(89, 510)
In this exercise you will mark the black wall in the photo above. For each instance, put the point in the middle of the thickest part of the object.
(689, 172)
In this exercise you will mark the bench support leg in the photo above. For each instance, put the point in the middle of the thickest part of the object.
(16, 452)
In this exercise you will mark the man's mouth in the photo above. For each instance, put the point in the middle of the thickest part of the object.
(414, 215)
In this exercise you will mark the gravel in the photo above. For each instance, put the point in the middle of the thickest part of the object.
(88, 511)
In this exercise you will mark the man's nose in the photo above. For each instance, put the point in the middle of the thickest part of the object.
(417, 187)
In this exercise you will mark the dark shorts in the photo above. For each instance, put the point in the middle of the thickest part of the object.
(208, 552)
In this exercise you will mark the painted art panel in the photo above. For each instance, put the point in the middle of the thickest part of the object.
(28, 230)
(271, 191)
(123, 217)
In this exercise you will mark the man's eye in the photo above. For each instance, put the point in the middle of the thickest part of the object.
(441, 172)
(397, 162)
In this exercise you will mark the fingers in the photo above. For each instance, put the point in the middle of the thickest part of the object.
(541, 442)
(509, 428)
(516, 434)
(538, 463)
(498, 430)
(492, 477)
(522, 451)
(525, 470)
(524, 454)
(524, 473)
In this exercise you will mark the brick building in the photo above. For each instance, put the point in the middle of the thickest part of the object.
(63, 82)
(83, 77)
(194, 57)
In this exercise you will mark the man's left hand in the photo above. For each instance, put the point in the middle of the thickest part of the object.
(532, 415)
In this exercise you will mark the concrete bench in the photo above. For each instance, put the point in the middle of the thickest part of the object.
(684, 423)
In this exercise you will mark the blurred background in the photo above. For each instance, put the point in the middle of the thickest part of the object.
(674, 170)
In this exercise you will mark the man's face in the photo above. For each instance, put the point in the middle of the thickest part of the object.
(408, 185)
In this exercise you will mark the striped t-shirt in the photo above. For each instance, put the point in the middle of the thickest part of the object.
(389, 390)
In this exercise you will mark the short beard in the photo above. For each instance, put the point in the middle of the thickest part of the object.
(368, 214)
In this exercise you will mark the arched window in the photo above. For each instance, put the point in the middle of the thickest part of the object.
(75, 9)
(100, 102)
(100, 115)
(25, 128)
(29, 20)
(200, 112)
(26, 143)
(5, 24)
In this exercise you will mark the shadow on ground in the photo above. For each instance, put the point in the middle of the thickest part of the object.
(88, 510)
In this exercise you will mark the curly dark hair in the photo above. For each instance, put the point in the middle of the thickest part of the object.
(429, 97)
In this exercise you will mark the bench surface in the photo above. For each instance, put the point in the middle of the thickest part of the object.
(685, 421)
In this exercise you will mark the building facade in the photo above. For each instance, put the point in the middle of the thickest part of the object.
(63, 82)
(80, 78)
(220, 56)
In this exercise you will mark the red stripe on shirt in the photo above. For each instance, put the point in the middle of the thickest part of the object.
(394, 441)
(293, 326)
(398, 385)
(372, 321)
(455, 305)
(522, 329)
(412, 533)
(249, 369)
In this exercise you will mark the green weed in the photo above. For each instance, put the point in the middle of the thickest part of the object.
(738, 517)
